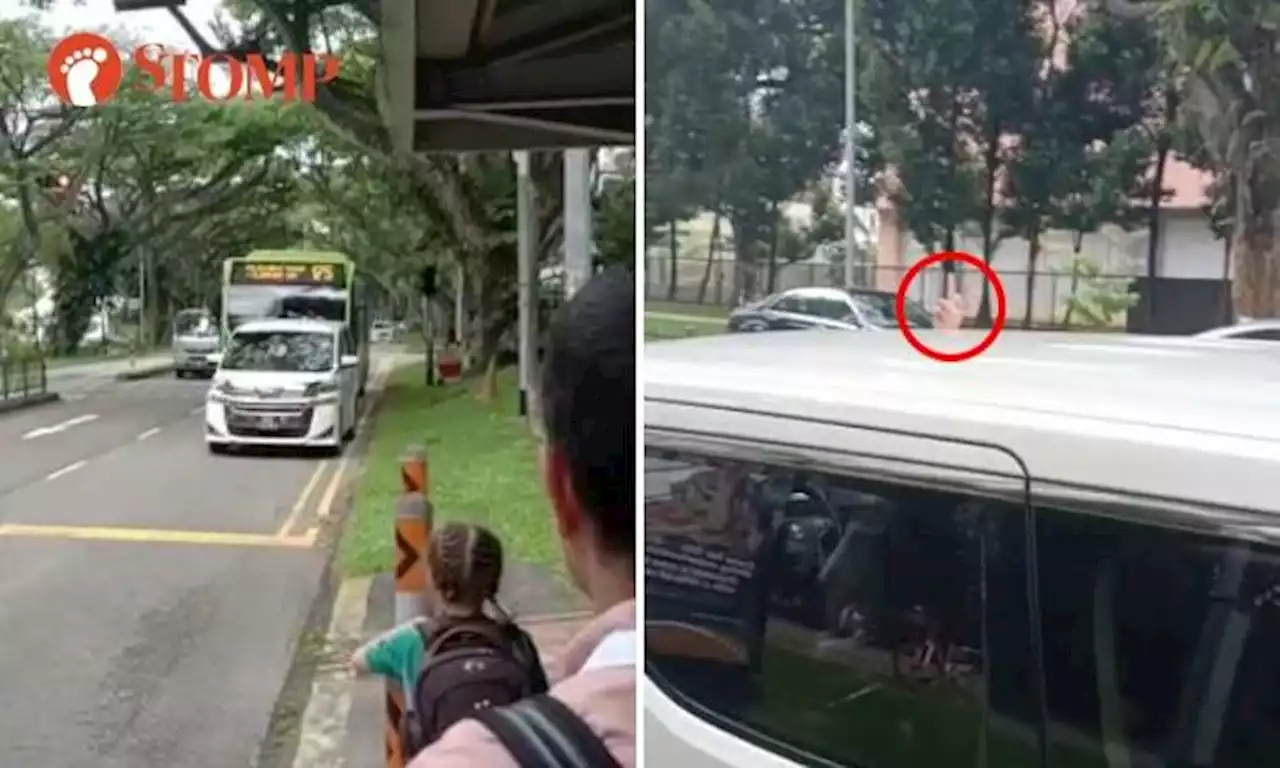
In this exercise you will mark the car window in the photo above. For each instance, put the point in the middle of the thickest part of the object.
(789, 303)
(284, 351)
(1263, 334)
(832, 309)
(880, 311)
(840, 621)
(1159, 643)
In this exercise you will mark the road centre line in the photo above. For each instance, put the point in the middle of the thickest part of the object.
(65, 470)
(149, 433)
(156, 536)
(300, 505)
(61, 426)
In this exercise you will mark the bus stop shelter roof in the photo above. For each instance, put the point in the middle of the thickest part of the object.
(477, 75)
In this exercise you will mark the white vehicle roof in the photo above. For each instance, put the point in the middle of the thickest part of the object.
(1174, 417)
(1248, 326)
(288, 325)
(819, 292)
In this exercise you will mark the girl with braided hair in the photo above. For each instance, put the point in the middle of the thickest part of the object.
(464, 562)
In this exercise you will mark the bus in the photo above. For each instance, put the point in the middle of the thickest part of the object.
(323, 285)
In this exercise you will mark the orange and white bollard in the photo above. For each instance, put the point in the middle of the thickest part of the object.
(412, 536)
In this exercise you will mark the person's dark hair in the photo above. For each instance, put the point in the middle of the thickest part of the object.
(589, 401)
(465, 564)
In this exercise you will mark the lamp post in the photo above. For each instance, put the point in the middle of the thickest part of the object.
(850, 140)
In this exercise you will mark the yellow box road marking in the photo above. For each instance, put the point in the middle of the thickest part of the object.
(156, 536)
(326, 501)
(300, 505)
(325, 505)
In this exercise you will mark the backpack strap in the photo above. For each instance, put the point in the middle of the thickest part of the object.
(541, 732)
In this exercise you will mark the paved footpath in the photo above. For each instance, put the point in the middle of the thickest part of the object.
(76, 380)
(151, 595)
(344, 718)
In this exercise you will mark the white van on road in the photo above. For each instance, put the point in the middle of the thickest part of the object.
(1063, 552)
(284, 383)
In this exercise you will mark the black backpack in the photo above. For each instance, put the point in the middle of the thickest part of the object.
(469, 666)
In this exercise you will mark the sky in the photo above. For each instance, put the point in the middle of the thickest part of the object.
(154, 26)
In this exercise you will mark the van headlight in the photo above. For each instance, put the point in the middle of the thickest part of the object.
(323, 391)
(221, 390)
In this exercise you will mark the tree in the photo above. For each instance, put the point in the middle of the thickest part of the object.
(1225, 51)
(922, 49)
(968, 67)
(615, 222)
(1083, 151)
(329, 170)
(31, 127)
(743, 118)
(472, 197)
(1118, 152)
(1093, 298)
(152, 171)
(690, 123)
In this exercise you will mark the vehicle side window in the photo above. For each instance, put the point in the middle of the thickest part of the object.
(837, 620)
(789, 304)
(1265, 334)
(833, 309)
(1160, 644)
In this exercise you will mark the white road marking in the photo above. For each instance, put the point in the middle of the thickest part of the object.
(149, 433)
(62, 427)
(324, 721)
(66, 470)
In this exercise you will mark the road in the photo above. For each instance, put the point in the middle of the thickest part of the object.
(75, 380)
(150, 593)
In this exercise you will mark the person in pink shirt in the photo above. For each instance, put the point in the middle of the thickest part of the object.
(588, 405)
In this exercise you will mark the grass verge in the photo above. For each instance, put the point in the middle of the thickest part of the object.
(686, 308)
(482, 465)
(668, 327)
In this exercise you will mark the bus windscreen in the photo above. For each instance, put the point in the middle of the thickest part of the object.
(257, 302)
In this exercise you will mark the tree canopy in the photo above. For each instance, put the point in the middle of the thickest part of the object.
(997, 119)
(141, 190)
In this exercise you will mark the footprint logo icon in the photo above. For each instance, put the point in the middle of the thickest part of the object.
(85, 69)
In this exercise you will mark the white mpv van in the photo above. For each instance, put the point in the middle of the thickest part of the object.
(284, 383)
(1065, 552)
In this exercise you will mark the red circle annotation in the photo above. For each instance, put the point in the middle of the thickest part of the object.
(900, 306)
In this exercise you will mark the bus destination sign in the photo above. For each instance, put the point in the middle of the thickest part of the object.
(288, 273)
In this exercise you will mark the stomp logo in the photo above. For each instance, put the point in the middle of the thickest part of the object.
(86, 69)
